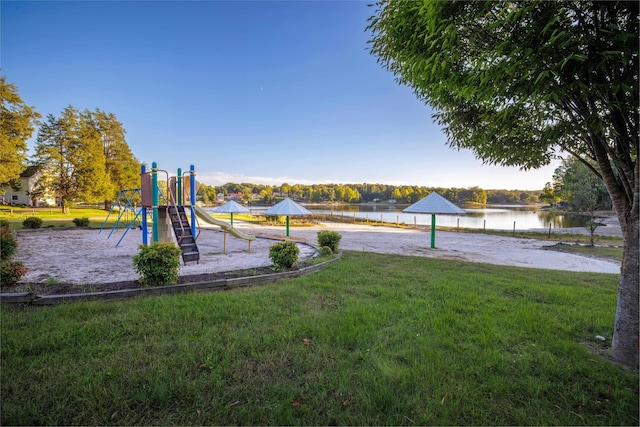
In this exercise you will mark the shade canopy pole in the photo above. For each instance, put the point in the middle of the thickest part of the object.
(433, 231)
(287, 225)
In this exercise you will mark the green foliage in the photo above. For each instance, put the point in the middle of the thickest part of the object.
(86, 157)
(8, 244)
(513, 81)
(325, 251)
(121, 166)
(17, 121)
(284, 254)
(32, 222)
(11, 272)
(4, 224)
(274, 219)
(577, 185)
(81, 222)
(330, 239)
(158, 264)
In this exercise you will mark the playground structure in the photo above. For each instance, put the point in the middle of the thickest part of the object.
(179, 200)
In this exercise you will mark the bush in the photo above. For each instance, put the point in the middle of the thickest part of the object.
(81, 222)
(326, 251)
(32, 222)
(274, 219)
(330, 239)
(284, 254)
(8, 245)
(11, 272)
(158, 264)
(4, 224)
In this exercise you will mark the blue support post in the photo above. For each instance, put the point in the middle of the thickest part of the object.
(179, 188)
(154, 200)
(145, 237)
(192, 192)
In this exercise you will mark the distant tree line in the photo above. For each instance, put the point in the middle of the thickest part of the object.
(364, 193)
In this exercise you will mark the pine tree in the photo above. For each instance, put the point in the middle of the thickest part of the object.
(70, 151)
(122, 166)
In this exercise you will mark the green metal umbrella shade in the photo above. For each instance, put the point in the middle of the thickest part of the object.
(231, 207)
(434, 204)
(287, 208)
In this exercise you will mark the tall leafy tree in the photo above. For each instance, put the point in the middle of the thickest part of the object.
(582, 190)
(121, 165)
(71, 153)
(517, 81)
(17, 123)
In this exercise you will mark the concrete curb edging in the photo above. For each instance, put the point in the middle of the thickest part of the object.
(216, 285)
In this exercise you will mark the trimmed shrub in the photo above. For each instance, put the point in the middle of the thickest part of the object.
(11, 272)
(32, 222)
(81, 222)
(330, 239)
(326, 251)
(8, 245)
(158, 264)
(284, 254)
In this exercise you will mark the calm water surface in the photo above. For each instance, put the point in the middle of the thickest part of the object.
(491, 218)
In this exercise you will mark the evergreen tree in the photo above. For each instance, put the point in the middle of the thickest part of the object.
(122, 166)
(70, 152)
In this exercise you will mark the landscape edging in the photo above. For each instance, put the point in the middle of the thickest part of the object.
(216, 285)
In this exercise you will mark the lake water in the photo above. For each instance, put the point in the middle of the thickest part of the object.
(490, 218)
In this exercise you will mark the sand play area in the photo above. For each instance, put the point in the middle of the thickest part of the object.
(85, 256)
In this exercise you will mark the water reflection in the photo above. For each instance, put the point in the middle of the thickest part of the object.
(493, 218)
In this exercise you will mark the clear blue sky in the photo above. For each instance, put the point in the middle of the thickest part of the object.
(263, 92)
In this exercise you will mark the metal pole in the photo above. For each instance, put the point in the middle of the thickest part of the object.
(287, 225)
(179, 188)
(145, 237)
(433, 231)
(192, 191)
(232, 219)
(154, 200)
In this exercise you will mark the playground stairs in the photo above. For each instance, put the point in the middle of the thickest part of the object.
(182, 230)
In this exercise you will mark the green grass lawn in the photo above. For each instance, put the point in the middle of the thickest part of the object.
(372, 339)
(53, 217)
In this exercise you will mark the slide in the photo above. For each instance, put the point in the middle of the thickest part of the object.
(203, 215)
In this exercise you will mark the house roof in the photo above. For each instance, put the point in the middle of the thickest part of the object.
(29, 171)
